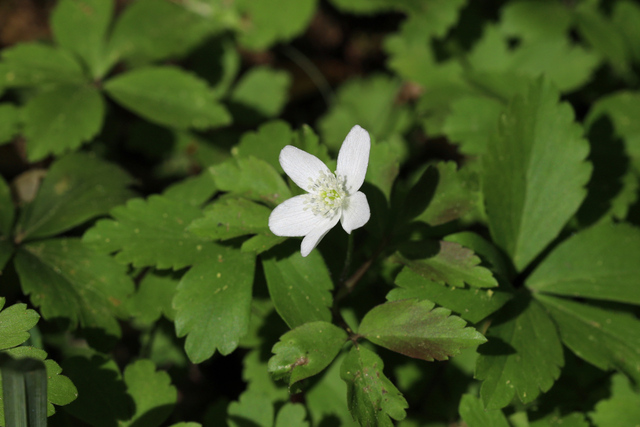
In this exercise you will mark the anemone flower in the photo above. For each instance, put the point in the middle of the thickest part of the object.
(330, 197)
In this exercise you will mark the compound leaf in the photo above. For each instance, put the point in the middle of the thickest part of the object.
(474, 414)
(231, 217)
(621, 409)
(15, 323)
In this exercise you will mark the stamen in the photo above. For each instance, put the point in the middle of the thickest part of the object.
(327, 195)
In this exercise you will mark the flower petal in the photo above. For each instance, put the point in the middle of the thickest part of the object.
(290, 219)
(353, 158)
(356, 213)
(312, 239)
(303, 168)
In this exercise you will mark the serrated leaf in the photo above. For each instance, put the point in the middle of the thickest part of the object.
(150, 232)
(102, 398)
(149, 30)
(193, 191)
(490, 254)
(66, 279)
(575, 419)
(384, 164)
(292, 415)
(60, 390)
(154, 297)
(371, 397)
(34, 64)
(260, 93)
(80, 26)
(534, 173)
(231, 217)
(168, 96)
(252, 178)
(523, 356)
(471, 304)
(625, 16)
(600, 262)
(417, 329)
(61, 119)
(474, 414)
(15, 322)
(153, 395)
(268, 25)
(266, 143)
(446, 262)
(7, 210)
(252, 409)
(472, 122)
(300, 287)
(261, 242)
(213, 302)
(305, 351)
(532, 20)
(258, 378)
(9, 122)
(604, 338)
(77, 187)
(370, 103)
(621, 409)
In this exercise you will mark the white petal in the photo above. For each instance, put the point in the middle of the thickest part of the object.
(312, 239)
(300, 166)
(356, 213)
(353, 158)
(290, 219)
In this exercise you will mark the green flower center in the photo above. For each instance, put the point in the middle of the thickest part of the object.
(327, 195)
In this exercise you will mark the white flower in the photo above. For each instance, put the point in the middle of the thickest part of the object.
(330, 197)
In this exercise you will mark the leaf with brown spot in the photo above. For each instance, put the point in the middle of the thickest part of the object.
(417, 329)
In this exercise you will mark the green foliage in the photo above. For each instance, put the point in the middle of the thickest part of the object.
(140, 150)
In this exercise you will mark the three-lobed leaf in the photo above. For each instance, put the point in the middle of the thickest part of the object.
(305, 351)
(417, 329)
(474, 414)
(371, 396)
(213, 302)
(534, 173)
(576, 268)
(77, 187)
(231, 217)
(523, 356)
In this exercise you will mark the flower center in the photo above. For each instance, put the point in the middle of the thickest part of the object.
(327, 195)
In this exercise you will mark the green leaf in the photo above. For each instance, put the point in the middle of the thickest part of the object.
(24, 391)
(575, 419)
(625, 17)
(34, 64)
(231, 217)
(600, 262)
(153, 395)
(262, 242)
(61, 119)
(266, 143)
(150, 232)
(77, 187)
(102, 398)
(305, 351)
(252, 178)
(260, 93)
(7, 210)
(66, 279)
(193, 191)
(415, 329)
(534, 173)
(15, 323)
(300, 287)
(533, 20)
(9, 122)
(268, 25)
(622, 409)
(253, 409)
(258, 378)
(370, 103)
(491, 256)
(371, 397)
(6, 251)
(168, 96)
(384, 164)
(291, 415)
(153, 297)
(604, 338)
(474, 414)
(523, 355)
(446, 262)
(60, 389)
(471, 304)
(213, 302)
(472, 123)
(80, 26)
(151, 30)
